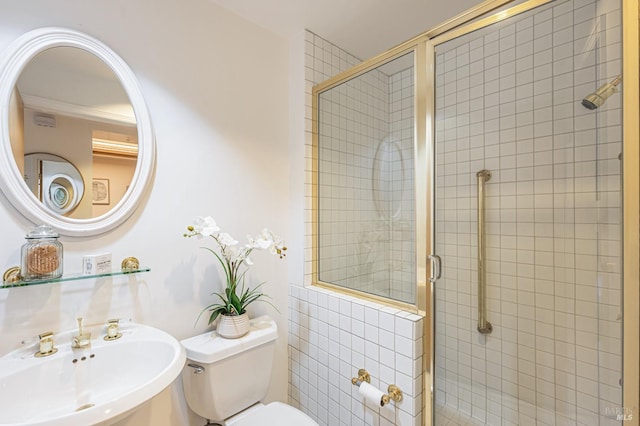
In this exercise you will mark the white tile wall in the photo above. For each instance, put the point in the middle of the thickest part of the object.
(331, 336)
(508, 100)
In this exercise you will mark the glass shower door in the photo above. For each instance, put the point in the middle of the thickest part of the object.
(527, 220)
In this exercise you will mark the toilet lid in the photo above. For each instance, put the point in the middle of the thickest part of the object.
(276, 413)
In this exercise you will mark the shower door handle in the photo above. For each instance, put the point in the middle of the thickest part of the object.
(436, 267)
(484, 326)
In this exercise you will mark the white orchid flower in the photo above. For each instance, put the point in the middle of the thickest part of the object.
(278, 244)
(205, 226)
(226, 239)
(253, 243)
(264, 241)
(232, 254)
(263, 244)
(266, 234)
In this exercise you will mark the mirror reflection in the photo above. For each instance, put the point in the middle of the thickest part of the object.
(55, 181)
(70, 108)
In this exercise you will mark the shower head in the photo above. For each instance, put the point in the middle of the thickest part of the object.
(597, 98)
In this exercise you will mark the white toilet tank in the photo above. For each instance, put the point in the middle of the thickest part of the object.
(235, 372)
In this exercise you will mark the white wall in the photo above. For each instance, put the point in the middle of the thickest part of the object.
(216, 87)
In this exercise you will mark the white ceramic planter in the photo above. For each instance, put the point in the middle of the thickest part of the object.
(233, 326)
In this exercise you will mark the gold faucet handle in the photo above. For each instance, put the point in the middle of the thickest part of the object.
(112, 330)
(45, 335)
(82, 340)
(47, 345)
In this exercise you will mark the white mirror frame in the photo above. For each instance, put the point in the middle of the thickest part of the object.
(12, 62)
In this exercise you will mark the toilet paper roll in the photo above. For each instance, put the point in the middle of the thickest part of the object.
(371, 393)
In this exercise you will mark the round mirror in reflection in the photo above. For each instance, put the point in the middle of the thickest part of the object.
(56, 182)
(70, 104)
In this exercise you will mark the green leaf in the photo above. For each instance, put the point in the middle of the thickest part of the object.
(225, 267)
(214, 315)
(268, 302)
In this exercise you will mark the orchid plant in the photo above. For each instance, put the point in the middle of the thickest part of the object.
(235, 262)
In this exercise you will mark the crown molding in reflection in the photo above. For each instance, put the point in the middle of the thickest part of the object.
(114, 148)
(78, 111)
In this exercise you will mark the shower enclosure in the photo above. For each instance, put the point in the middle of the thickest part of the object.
(524, 117)
(544, 269)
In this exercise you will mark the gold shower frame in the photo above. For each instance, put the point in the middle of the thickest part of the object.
(423, 47)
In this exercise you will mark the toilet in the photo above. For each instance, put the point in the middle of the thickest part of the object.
(225, 380)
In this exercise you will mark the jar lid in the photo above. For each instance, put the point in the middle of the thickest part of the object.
(42, 231)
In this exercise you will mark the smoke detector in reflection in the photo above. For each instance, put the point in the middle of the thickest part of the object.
(44, 120)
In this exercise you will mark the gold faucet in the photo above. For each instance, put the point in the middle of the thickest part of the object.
(47, 345)
(112, 330)
(82, 340)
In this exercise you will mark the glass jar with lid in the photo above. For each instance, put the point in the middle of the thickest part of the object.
(41, 255)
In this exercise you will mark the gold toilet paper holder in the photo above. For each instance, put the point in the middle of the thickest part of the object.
(363, 376)
(393, 392)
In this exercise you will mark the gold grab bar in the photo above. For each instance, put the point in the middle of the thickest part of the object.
(484, 326)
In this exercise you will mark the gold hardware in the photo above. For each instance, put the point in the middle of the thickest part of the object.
(363, 376)
(82, 340)
(130, 264)
(394, 393)
(46, 345)
(12, 276)
(112, 330)
(484, 326)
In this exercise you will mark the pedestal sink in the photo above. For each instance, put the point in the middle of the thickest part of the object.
(99, 384)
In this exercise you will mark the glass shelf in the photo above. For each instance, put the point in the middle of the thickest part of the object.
(76, 277)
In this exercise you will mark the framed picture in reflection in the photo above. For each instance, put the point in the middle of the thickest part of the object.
(100, 189)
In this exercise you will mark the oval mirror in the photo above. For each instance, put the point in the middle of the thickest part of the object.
(67, 95)
(388, 178)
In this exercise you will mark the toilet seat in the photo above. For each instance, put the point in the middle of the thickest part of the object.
(275, 413)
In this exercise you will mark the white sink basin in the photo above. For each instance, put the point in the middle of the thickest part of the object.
(114, 378)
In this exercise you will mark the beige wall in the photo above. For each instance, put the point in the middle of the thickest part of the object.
(119, 171)
(16, 128)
